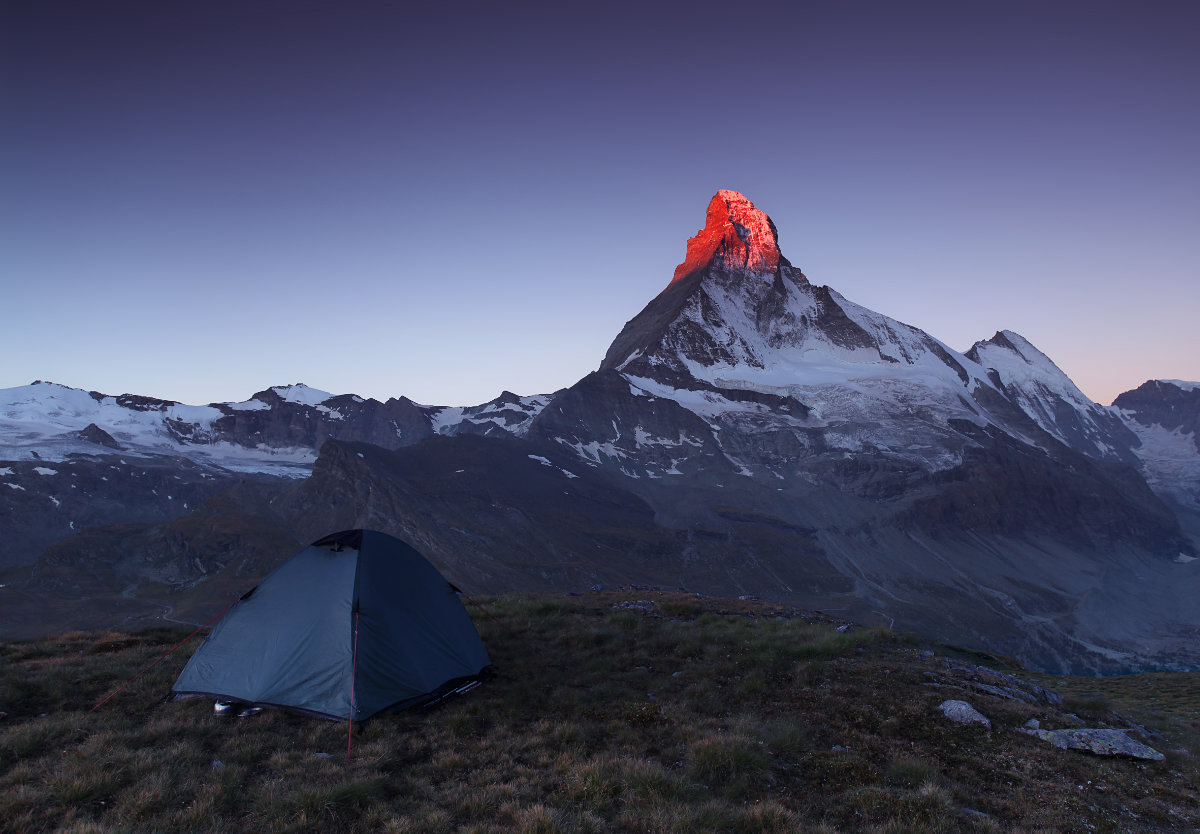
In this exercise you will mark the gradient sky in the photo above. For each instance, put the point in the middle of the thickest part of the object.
(199, 200)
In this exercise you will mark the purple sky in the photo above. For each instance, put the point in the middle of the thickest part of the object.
(202, 199)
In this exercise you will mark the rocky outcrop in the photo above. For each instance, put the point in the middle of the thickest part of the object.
(737, 237)
(284, 423)
(996, 684)
(1101, 742)
(94, 434)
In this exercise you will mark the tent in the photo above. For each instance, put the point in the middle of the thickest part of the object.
(355, 624)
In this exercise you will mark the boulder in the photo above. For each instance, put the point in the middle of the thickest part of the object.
(963, 713)
(1099, 742)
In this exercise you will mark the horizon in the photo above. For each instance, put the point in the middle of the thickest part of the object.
(204, 203)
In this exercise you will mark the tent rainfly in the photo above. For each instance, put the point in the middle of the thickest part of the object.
(355, 624)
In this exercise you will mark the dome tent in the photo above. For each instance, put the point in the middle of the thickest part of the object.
(355, 624)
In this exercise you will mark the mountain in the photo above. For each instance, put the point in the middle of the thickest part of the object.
(75, 459)
(748, 432)
(1165, 416)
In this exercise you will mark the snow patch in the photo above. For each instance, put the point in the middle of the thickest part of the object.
(249, 405)
(1180, 383)
(301, 394)
(14, 486)
(1169, 461)
(442, 420)
(42, 470)
(592, 451)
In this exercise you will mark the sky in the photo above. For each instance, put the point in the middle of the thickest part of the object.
(200, 200)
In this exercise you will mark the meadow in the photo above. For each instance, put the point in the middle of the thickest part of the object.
(616, 711)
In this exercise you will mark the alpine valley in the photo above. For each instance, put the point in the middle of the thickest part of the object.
(747, 433)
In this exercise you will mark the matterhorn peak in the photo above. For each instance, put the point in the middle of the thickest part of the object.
(737, 236)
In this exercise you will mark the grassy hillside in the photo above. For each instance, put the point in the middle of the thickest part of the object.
(632, 711)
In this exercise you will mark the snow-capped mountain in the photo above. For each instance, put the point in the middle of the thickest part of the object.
(1165, 416)
(1047, 395)
(938, 482)
(748, 432)
(73, 459)
(278, 431)
(749, 347)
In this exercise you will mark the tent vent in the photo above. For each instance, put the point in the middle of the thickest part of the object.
(340, 541)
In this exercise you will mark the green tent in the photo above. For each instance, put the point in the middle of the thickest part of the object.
(356, 624)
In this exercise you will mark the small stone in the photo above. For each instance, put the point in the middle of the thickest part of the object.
(1033, 724)
(844, 629)
(217, 764)
(963, 713)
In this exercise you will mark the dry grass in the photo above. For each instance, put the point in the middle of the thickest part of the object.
(618, 711)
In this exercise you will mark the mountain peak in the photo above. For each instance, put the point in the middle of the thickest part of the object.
(737, 235)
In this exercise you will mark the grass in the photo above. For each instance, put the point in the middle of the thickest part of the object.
(628, 711)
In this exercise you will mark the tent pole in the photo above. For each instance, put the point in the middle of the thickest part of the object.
(353, 670)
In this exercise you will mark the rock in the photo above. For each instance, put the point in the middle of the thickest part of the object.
(1099, 742)
(963, 713)
(737, 236)
(1033, 724)
(1002, 685)
(94, 434)
(844, 629)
